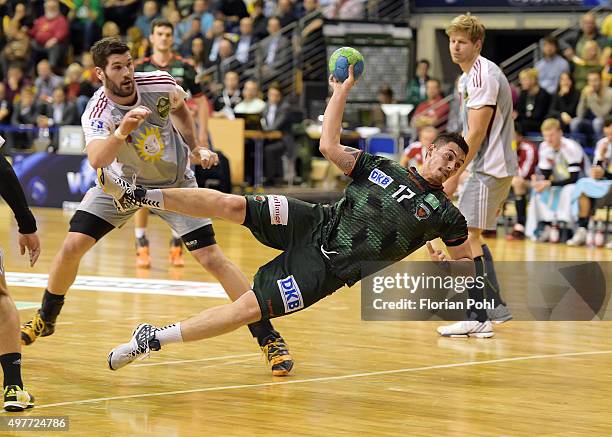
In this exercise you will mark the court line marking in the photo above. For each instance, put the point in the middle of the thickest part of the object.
(123, 285)
(327, 378)
(195, 361)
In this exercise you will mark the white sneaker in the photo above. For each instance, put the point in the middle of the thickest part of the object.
(141, 344)
(579, 238)
(126, 196)
(545, 234)
(467, 328)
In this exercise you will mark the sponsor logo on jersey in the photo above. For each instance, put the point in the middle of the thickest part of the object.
(279, 210)
(163, 107)
(259, 198)
(150, 145)
(422, 212)
(291, 294)
(432, 201)
(380, 178)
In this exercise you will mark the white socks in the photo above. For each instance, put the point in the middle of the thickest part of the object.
(139, 232)
(170, 334)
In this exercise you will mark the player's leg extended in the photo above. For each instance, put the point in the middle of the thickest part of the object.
(64, 268)
(209, 323)
(16, 398)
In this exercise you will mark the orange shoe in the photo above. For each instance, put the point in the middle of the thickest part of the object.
(176, 253)
(143, 258)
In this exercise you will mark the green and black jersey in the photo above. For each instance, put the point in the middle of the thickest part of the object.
(183, 73)
(387, 213)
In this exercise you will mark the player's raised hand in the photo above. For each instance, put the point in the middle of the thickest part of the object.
(133, 119)
(32, 244)
(204, 157)
(346, 85)
(436, 255)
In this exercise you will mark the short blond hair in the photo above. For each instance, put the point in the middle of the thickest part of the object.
(529, 72)
(550, 123)
(468, 24)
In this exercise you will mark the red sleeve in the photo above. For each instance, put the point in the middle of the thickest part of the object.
(61, 29)
(34, 29)
(441, 111)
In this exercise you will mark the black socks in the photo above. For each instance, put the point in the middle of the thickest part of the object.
(51, 306)
(11, 366)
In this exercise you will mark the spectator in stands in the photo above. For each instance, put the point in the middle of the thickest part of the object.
(573, 42)
(417, 88)
(197, 58)
(564, 102)
(595, 103)
(232, 11)
(121, 12)
(415, 152)
(78, 90)
(86, 20)
(533, 102)
(275, 117)
(58, 112)
(226, 60)
(551, 65)
(18, 25)
(384, 97)
(45, 81)
(595, 190)
(5, 106)
(246, 40)
(275, 48)
(251, 103)
(311, 46)
(15, 81)
(89, 70)
(150, 11)
(521, 183)
(559, 162)
(434, 110)
(588, 62)
(50, 34)
(213, 40)
(201, 13)
(185, 31)
(16, 52)
(111, 29)
(260, 22)
(345, 10)
(24, 115)
(228, 98)
(285, 12)
(137, 43)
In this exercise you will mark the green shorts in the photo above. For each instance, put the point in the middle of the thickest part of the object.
(299, 276)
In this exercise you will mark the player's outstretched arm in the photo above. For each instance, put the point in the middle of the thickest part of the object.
(343, 157)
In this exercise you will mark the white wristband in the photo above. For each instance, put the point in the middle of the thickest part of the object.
(117, 134)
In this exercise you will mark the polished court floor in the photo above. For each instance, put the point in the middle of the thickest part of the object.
(351, 377)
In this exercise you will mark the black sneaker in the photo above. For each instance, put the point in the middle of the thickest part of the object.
(37, 327)
(17, 399)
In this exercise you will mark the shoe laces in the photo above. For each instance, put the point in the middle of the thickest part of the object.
(274, 347)
(37, 324)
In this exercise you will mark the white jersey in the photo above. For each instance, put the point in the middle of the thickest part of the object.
(154, 152)
(562, 162)
(486, 85)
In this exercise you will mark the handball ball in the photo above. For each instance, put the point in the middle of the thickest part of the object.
(341, 59)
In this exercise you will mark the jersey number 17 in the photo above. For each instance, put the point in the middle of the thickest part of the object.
(408, 193)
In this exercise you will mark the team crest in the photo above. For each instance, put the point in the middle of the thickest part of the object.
(150, 145)
(422, 212)
(259, 198)
(163, 107)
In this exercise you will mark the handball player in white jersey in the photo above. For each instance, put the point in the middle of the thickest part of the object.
(138, 125)
(488, 128)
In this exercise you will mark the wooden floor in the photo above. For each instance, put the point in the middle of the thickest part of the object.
(350, 378)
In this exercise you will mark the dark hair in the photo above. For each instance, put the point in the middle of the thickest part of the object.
(386, 90)
(276, 86)
(424, 61)
(431, 79)
(551, 40)
(451, 137)
(161, 22)
(608, 120)
(106, 47)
